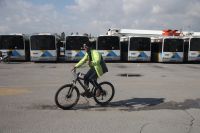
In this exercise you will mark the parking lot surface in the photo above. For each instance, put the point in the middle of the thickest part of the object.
(149, 98)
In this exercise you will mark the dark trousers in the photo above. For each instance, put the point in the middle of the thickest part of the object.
(91, 76)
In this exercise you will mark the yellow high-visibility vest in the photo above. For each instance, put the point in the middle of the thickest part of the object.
(97, 62)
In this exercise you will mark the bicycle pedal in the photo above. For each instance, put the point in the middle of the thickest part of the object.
(85, 93)
(89, 95)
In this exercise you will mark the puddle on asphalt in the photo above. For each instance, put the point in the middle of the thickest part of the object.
(129, 75)
(121, 66)
(157, 66)
(46, 66)
(172, 105)
(52, 67)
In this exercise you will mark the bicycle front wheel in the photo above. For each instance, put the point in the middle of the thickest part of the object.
(67, 96)
(104, 95)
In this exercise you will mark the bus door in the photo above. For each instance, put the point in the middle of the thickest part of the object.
(186, 49)
(139, 49)
(74, 47)
(109, 47)
(172, 50)
(15, 44)
(194, 49)
(156, 50)
(43, 48)
(124, 48)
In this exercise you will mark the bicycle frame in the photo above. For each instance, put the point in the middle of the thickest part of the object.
(78, 78)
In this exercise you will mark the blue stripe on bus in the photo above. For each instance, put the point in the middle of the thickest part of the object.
(176, 56)
(111, 53)
(15, 53)
(142, 54)
(79, 54)
(46, 54)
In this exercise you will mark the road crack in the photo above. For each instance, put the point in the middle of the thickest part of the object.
(191, 121)
(143, 126)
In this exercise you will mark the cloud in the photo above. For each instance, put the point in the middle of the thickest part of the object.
(25, 17)
(137, 14)
(96, 16)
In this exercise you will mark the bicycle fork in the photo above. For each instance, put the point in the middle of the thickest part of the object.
(69, 93)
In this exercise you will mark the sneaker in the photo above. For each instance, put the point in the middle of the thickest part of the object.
(87, 94)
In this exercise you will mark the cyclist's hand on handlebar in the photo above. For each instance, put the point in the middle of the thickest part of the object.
(73, 69)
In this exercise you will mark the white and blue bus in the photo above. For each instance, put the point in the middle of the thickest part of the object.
(167, 49)
(43, 47)
(17, 45)
(74, 47)
(136, 49)
(192, 49)
(109, 47)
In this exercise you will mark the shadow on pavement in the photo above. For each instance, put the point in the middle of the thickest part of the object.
(138, 101)
(134, 104)
(128, 104)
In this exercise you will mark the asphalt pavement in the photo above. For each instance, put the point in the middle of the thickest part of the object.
(149, 98)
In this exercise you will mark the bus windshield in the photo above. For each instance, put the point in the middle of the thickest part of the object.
(140, 43)
(43, 42)
(76, 42)
(173, 45)
(195, 44)
(11, 42)
(108, 43)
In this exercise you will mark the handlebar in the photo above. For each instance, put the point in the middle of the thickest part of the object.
(77, 74)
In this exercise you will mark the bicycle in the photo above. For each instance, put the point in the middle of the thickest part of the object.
(5, 56)
(68, 95)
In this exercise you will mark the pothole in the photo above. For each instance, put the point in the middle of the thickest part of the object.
(129, 75)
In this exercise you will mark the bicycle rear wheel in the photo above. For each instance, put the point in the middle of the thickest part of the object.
(104, 96)
(67, 96)
(5, 59)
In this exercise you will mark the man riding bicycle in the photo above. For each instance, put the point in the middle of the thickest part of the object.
(96, 63)
(68, 95)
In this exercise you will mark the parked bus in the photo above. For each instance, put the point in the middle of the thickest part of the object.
(136, 49)
(109, 47)
(17, 45)
(44, 47)
(74, 47)
(192, 49)
(167, 49)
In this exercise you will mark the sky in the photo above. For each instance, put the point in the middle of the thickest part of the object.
(97, 16)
